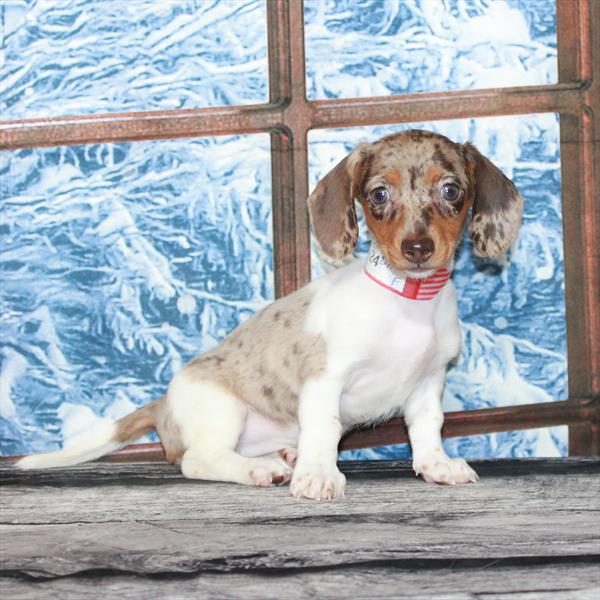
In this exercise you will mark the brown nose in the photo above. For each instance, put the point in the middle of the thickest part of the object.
(417, 251)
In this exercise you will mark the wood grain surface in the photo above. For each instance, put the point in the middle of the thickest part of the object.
(125, 530)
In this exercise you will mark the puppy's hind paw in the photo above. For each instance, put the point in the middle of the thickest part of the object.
(270, 472)
(290, 455)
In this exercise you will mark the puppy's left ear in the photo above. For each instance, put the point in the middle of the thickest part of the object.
(497, 206)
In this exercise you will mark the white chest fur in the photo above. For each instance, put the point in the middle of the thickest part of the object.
(381, 346)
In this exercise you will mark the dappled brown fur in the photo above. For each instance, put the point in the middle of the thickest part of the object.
(414, 166)
(267, 371)
(497, 207)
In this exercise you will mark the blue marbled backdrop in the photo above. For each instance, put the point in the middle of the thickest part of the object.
(122, 261)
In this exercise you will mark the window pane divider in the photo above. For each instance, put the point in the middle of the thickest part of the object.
(260, 118)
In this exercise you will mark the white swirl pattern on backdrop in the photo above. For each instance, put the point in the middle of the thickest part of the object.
(122, 261)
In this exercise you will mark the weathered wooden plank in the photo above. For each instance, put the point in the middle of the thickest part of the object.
(74, 493)
(107, 473)
(126, 518)
(186, 546)
(497, 581)
(406, 501)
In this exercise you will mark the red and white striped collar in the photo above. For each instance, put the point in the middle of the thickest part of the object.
(378, 270)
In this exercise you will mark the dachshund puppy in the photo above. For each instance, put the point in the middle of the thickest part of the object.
(367, 342)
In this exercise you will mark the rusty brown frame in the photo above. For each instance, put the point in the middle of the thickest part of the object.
(288, 117)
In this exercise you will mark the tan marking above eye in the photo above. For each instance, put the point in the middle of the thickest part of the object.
(393, 177)
(433, 175)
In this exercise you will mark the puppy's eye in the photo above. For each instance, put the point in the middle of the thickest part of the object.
(450, 192)
(379, 195)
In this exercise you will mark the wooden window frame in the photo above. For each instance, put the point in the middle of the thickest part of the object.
(289, 116)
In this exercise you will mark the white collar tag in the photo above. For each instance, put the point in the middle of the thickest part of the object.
(378, 270)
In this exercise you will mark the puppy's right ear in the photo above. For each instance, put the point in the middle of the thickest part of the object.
(331, 205)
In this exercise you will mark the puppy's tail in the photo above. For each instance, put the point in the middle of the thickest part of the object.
(107, 438)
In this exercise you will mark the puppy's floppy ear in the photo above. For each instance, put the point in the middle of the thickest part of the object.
(497, 206)
(331, 205)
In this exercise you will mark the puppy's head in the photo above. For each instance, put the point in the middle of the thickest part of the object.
(416, 188)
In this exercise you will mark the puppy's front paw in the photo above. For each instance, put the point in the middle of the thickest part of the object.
(318, 483)
(439, 468)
